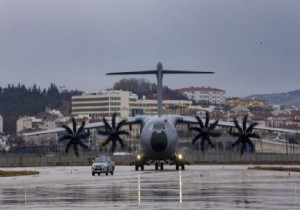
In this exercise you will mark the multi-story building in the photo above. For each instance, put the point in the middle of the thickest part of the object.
(124, 103)
(204, 95)
(235, 101)
(49, 120)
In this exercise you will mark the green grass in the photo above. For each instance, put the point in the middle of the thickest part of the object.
(17, 173)
(274, 168)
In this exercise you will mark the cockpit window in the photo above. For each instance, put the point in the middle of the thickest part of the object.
(158, 127)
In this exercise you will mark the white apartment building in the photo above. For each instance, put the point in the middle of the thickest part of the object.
(124, 103)
(206, 95)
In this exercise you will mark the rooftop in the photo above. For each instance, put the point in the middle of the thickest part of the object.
(200, 89)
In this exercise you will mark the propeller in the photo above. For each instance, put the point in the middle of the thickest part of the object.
(205, 131)
(113, 132)
(75, 136)
(244, 134)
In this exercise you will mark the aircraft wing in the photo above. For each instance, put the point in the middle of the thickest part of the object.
(192, 120)
(130, 121)
(58, 130)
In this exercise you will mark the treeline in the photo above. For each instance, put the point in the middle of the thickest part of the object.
(142, 87)
(16, 101)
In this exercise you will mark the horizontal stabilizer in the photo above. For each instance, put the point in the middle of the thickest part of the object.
(163, 72)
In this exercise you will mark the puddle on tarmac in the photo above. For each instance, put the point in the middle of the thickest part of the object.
(195, 188)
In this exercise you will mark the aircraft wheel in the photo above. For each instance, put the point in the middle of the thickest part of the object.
(182, 167)
(177, 166)
(93, 173)
(142, 167)
(156, 166)
(98, 174)
(136, 167)
(161, 166)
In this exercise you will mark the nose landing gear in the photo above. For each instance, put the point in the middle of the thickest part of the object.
(159, 164)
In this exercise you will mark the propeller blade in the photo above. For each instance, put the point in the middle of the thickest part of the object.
(253, 135)
(68, 129)
(202, 144)
(81, 127)
(83, 145)
(206, 119)
(196, 129)
(113, 122)
(234, 134)
(245, 123)
(210, 142)
(68, 146)
(106, 141)
(84, 135)
(196, 138)
(105, 133)
(120, 140)
(243, 147)
(251, 145)
(74, 125)
(113, 147)
(75, 149)
(65, 137)
(236, 142)
(250, 128)
(123, 133)
(200, 122)
(214, 134)
(213, 125)
(106, 124)
(237, 125)
(120, 124)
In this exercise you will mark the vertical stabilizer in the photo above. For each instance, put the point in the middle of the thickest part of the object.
(159, 72)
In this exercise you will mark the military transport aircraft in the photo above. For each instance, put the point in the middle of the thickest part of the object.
(159, 136)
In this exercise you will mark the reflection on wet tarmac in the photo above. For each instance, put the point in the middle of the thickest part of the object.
(198, 187)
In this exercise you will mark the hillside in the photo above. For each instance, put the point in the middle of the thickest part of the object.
(288, 98)
(18, 101)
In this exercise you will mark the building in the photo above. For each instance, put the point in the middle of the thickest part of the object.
(250, 102)
(204, 95)
(49, 120)
(103, 103)
(124, 103)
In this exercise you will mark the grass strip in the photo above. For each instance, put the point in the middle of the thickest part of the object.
(274, 168)
(17, 173)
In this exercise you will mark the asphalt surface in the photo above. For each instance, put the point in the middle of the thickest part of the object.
(198, 187)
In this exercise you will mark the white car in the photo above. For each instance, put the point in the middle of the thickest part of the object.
(103, 164)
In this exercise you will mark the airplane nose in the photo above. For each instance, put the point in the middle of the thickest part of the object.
(159, 141)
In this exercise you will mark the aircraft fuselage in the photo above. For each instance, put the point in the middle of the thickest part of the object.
(159, 138)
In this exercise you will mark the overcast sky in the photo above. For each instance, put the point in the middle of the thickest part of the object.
(252, 46)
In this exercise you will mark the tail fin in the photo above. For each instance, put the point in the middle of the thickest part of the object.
(159, 72)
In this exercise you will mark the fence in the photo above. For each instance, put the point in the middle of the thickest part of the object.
(192, 157)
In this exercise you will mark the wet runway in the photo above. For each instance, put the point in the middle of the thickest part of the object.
(198, 187)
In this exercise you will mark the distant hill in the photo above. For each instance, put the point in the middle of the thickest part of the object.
(288, 98)
(18, 101)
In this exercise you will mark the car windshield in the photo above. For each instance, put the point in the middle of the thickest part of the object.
(101, 160)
